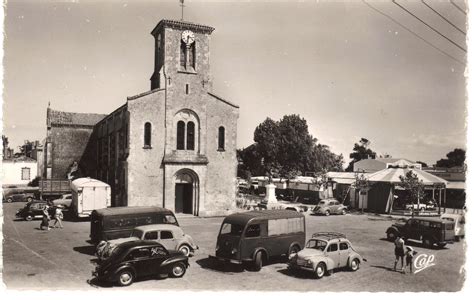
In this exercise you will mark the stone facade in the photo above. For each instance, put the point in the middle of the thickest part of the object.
(138, 149)
(67, 138)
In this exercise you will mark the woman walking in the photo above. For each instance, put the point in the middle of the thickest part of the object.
(45, 219)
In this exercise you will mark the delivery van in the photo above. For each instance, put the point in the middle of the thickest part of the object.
(119, 222)
(251, 238)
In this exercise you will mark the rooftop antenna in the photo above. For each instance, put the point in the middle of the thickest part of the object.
(182, 9)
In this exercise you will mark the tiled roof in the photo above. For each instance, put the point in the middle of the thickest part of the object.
(182, 25)
(56, 117)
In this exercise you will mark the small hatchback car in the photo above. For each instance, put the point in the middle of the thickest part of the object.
(170, 236)
(330, 206)
(324, 252)
(136, 259)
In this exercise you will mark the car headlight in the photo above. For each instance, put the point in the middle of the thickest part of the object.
(292, 255)
(234, 251)
(309, 262)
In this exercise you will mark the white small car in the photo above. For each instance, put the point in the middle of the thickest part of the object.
(170, 236)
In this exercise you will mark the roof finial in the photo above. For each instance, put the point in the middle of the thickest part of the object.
(182, 9)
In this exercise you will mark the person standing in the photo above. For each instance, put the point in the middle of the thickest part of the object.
(399, 252)
(58, 216)
(45, 219)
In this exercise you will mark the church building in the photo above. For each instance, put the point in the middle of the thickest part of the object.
(173, 146)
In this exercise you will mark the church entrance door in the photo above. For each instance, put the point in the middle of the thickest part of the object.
(184, 198)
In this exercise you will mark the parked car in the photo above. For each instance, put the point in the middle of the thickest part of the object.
(420, 207)
(135, 259)
(324, 252)
(459, 221)
(119, 222)
(19, 195)
(65, 200)
(33, 209)
(171, 237)
(251, 238)
(330, 206)
(429, 230)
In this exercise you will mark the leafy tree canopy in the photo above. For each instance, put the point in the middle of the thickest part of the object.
(361, 151)
(455, 158)
(285, 148)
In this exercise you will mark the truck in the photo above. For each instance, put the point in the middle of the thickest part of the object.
(87, 195)
(53, 188)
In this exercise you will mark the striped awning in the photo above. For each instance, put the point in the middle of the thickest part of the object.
(392, 175)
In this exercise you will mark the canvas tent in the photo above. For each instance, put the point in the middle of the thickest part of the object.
(384, 183)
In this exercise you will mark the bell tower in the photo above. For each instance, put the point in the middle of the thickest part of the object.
(181, 54)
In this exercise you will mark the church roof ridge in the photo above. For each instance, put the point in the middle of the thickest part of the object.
(223, 100)
(58, 117)
(183, 25)
(144, 94)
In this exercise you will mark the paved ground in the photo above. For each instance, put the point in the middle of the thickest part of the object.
(61, 259)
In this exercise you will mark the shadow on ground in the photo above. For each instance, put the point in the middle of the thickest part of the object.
(89, 250)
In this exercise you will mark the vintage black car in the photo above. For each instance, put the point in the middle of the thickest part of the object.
(135, 259)
(33, 209)
(429, 230)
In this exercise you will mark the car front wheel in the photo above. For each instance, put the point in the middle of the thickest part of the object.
(29, 217)
(355, 264)
(391, 236)
(125, 278)
(9, 200)
(258, 262)
(178, 270)
(343, 212)
(185, 250)
(327, 212)
(320, 270)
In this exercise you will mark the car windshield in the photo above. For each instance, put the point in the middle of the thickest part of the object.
(232, 229)
(137, 233)
(316, 244)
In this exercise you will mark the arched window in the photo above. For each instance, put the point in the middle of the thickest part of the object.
(192, 55)
(221, 144)
(180, 136)
(182, 56)
(190, 136)
(147, 135)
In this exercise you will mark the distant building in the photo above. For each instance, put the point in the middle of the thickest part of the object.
(372, 165)
(7, 151)
(18, 171)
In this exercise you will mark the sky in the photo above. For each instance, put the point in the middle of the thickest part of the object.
(351, 69)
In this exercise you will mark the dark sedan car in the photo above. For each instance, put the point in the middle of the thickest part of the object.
(135, 259)
(33, 209)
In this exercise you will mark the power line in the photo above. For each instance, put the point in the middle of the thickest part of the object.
(441, 16)
(460, 9)
(429, 26)
(414, 33)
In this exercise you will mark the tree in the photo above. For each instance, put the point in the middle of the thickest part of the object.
(414, 187)
(285, 148)
(455, 158)
(361, 151)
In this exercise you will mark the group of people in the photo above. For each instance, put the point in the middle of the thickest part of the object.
(57, 216)
(401, 252)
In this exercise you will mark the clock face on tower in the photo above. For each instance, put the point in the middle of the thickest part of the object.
(188, 37)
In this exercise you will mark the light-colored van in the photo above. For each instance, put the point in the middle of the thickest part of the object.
(459, 222)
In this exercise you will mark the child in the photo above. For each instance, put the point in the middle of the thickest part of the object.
(58, 216)
(410, 254)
